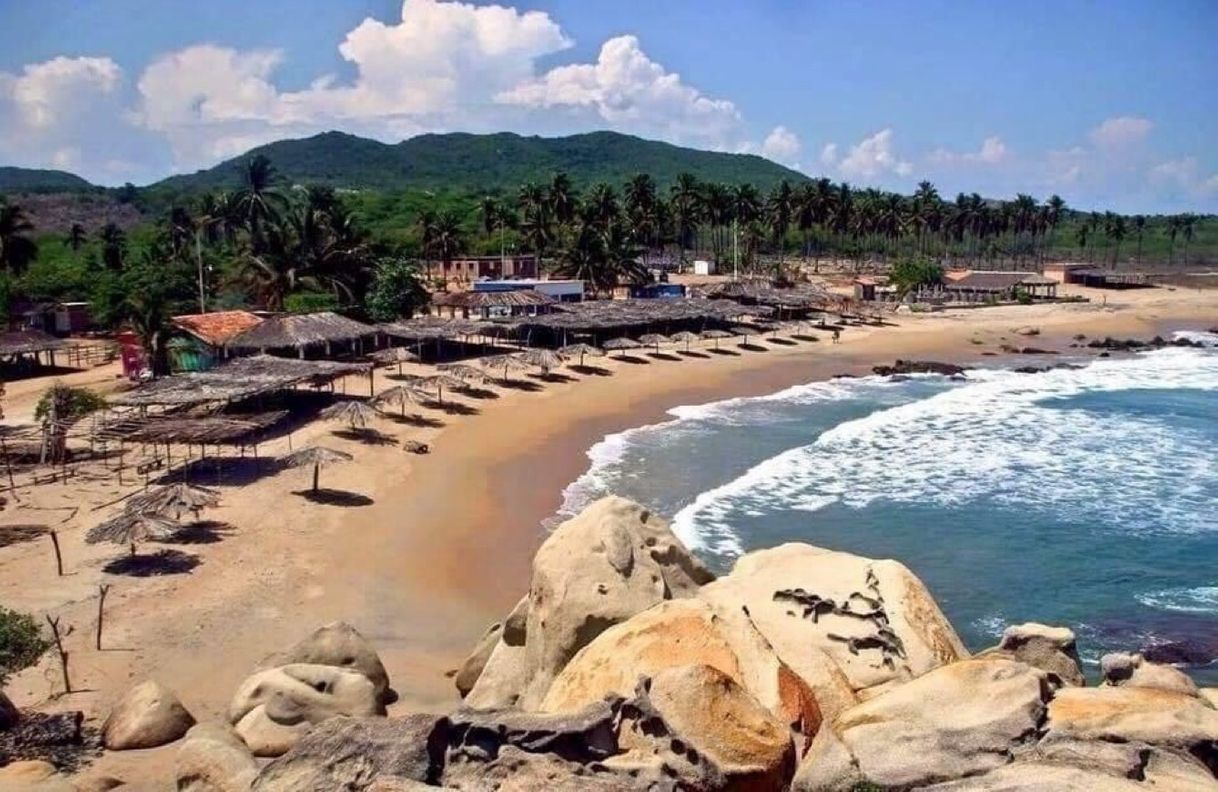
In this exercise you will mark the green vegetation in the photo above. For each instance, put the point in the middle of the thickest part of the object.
(21, 642)
(396, 290)
(908, 274)
(70, 403)
(30, 180)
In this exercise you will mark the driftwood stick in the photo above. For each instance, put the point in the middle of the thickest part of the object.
(58, 555)
(102, 590)
(63, 653)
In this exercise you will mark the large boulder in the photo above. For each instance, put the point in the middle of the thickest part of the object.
(213, 758)
(1209, 694)
(842, 622)
(959, 720)
(273, 708)
(1161, 718)
(1121, 669)
(336, 644)
(1051, 649)
(148, 715)
(708, 720)
(613, 560)
(679, 633)
(33, 776)
(494, 674)
(349, 753)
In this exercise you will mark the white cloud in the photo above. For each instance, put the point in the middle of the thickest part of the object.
(869, 159)
(1121, 131)
(992, 152)
(1184, 174)
(782, 146)
(49, 93)
(627, 89)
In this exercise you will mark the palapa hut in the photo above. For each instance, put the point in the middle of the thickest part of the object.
(322, 331)
(200, 341)
(131, 527)
(317, 457)
(26, 348)
(486, 304)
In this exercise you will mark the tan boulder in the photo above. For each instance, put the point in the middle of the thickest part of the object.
(1121, 669)
(1135, 714)
(1051, 649)
(613, 560)
(469, 671)
(33, 776)
(336, 644)
(273, 708)
(705, 711)
(497, 662)
(681, 633)
(959, 720)
(148, 715)
(1209, 694)
(213, 758)
(874, 619)
(1039, 777)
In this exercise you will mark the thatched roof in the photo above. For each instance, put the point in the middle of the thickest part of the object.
(464, 372)
(315, 455)
(394, 355)
(996, 281)
(638, 313)
(402, 395)
(26, 342)
(353, 411)
(578, 350)
(477, 300)
(620, 343)
(211, 429)
(217, 328)
(544, 359)
(423, 328)
(301, 330)
(173, 499)
(654, 339)
(238, 379)
(131, 527)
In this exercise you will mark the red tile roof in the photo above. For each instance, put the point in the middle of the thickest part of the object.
(217, 328)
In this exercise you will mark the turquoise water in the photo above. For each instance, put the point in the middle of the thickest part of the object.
(1085, 497)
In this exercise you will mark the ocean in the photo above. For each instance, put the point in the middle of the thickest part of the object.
(1085, 497)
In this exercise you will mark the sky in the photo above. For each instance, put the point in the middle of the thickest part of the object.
(1112, 104)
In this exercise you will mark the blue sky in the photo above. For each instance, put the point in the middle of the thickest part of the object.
(1110, 104)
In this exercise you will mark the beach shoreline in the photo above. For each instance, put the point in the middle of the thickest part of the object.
(443, 546)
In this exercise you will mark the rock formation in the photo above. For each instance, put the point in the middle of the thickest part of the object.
(148, 715)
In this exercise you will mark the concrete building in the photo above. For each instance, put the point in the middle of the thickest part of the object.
(473, 268)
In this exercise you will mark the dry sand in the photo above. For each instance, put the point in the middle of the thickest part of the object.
(433, 548)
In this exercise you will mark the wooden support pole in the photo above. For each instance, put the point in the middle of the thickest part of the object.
(102, 590)
(63, 653)
(58, 555)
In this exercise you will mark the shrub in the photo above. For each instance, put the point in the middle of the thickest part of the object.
(310, 302)
(21, 642)
(71, 402)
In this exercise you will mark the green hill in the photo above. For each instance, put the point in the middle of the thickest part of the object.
(460, 162)
(31, 180)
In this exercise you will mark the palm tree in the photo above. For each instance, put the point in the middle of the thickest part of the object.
(535, 218)
(781, 209)
(926, 212)
(76, 236)
(447, 237)
(114, 246)
(641, 205)
(1187, 224)
(746, 212)
(492, 214)
(258, 202)
(1139, 226)
(1114, 229)
(686, 205)
(563, 199)
(1056, 209)
(17, 250)
(1173, 229)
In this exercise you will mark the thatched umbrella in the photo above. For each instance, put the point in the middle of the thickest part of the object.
(654, 339)
(318, 457)
(439, 382)
(469, 375)
(397, 355)
(507, 362)
(571, 350)
(685, 337)
(173, 499)
(715, 335)
(743, 330)
(131, 527)
(356, 413)
(544, 359)
(621, 344)
(402, 395)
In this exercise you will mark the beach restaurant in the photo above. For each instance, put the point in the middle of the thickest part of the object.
(985, 286)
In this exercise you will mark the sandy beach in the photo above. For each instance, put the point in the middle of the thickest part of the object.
(425, 551)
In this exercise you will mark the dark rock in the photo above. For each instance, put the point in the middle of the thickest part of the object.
(516, 770)
(349, 753)
(59, 738)
(585, 736)
(9, 714)
(919, 367)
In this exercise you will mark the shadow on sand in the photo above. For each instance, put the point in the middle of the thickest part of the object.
(524, 385)
(781, 341)
(367, 436)
(722, 351)
(552, 376)
(664, 356)
(415, 419)
(201, 532)
(593, 371)
(333, 497)
(693, 353)
(477, 393)
(631, 359)
(162, 562)
(752, 347)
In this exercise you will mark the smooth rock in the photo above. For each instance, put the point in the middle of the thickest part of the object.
(336, 644)
(148, 715)
(471, 669)
(502, 679)
(213, 758)
(1121, 669)
(679, 633)
(613, 560)
(1136, 714)
(959, 720)
(349, 753)
(1210, 695)
(513, 769)
(796, 594)
(1051, 649)
(272, 709)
